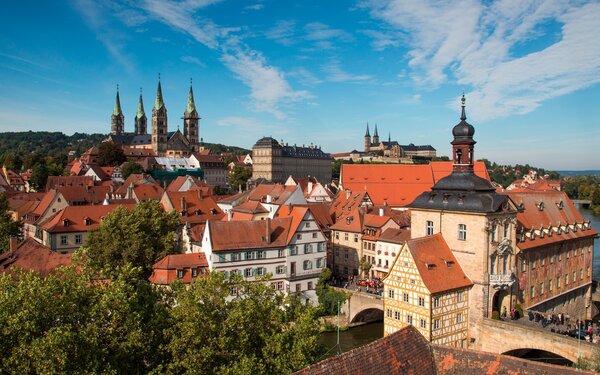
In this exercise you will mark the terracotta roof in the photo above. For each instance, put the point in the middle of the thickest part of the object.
(133, 152)
(135, 179)
(375, 221)
(55, 182)
(345, 201)
(165, 270)
(196, 232)
(252, 207)
(319, 211)
(44, 203)
(279, 193)
(87, 194)
(439, 269)
(402, 218)
(403, 352)
(349, 222)
(198, 209)
(178, 182)
(531, 216)
(101, 172)
(393, 235)
(148, 191)
(33, 256)
(398, 184)
(238, 235)
(79, 218)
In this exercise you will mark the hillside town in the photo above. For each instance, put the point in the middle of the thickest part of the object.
(437, 251)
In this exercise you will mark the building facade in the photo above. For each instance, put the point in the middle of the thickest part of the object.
(275, 161)
(393, 149)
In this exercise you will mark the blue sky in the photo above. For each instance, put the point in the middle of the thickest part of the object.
(316, 71)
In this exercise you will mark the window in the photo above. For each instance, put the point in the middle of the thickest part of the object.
(493, 232)
(307, 248)
(346, 236)
(78, 239)
(459, 318)
(558, 283)
(248, 272)
(389, 313)
(310, 285)
(551, 258)
(566, 279)
(314, 235)
(574, 278)
(280, 253)
(397, 315)
(249, 255)
(436, 302)
(356, 238)
(531, 292)
(391, 293)
(459, 296)
(541, 288)
(260, 271)
(236, 257)
(294, 250)
(462, 232)
(423, 323)
(261, 254)
(543, 261)
(63, 240)
(319, 262)
(523, 264)
(337, 235)
(179, 274)
(299, 236)
(307, 265)
(549, 286)
(408, 318)
(421, 301)
(233, 290)
(346, 254)
(493, 265)
(279, 270)
(429, 228)
(581, 274)
(505, 230)
(298, 287)
(308, 224)
(405, 297)
(436, 324)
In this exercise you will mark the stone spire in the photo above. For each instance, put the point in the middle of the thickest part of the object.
(367, 134)
(140, 112)
(191, 105)
(117, 120)
(159, 103)
(191, 122)
(375, 135)
(140, 120)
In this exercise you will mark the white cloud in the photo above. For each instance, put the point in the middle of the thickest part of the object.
(269, 89)
(335, 73)
(282, 32)
(192, 60)
(381, 40)
(255, 7)
(325, 36)
(475, 45)
(241, 122)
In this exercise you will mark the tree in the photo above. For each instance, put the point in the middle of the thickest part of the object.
(67, 323)
(130, 168)
(39, 176)
(140, 236)
(237, 327)
(110, 154)
(239, 176)
(329, 299)
(8, 226)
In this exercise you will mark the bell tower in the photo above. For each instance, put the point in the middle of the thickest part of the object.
(463, 144)
(117, 120)
(367, 139)
(141, 122)
(159, 123)
(190, 122)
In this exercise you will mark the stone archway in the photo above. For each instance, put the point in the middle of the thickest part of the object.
(539, 355)
(368, 315)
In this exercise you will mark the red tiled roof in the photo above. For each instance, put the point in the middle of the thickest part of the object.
(198, 209)
(530, 216)
(439, 269)
(178, 182)
(33, 256)
(278, 192)
(148, 191)
(237, 235)
(73, 218)
(346, 201)
(403, 352)
(252, 207)
(55, 182)
(165, 270)
(88, 195)
(375, 221)
(44, 203)
(132, 151)
(393, 235)
(349, 222)
(135, 179)
(398, 184)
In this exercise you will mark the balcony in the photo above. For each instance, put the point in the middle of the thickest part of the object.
(502, 281)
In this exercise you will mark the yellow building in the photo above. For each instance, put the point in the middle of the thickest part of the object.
(427, 288)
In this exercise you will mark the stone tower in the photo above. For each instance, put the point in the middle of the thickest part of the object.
(117, 120)
(375, 136)
(367, 139)
(463, 143)
(159, 124)
(190, 122)
(141, 122)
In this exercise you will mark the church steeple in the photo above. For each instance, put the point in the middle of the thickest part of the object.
(190, 121)
(117, 120)
(389, 137)
(463, 144)
(375, 135)
(367, 139)
(140, 118)
(367, 134)
(159, 123)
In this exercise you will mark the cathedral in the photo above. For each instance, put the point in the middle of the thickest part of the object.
(161, 141)
(394, 149)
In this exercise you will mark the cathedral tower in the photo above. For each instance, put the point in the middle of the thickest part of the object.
(117, 120)
(141, 122)
(159, 123)
(375, 136)
(367, 139)
(190, 122)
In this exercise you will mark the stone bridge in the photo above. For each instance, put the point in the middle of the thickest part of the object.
(362, 307)
(503, 337)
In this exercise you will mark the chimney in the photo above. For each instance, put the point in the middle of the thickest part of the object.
(310, 185)
(13, 243)
(229, 215)
(347, 194)
(269, 198)
(129, 191)
(183, 206)
(268, 230)
(380, 211)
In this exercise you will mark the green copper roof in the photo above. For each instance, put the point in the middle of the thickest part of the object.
(140, 111)
(117, 111)
(158, 104)
(191, 106)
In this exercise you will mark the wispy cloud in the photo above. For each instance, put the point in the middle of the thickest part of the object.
(335, 73)
(324, 36)
(23, 59)
(269, 89)
(381, 40)
(474, 45)
(192, 60)
(282, 32)
(255, 7)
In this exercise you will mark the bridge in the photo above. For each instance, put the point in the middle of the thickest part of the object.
(585, 203)
(498, 336)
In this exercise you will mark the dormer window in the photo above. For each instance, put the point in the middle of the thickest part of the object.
(449, 263)
(430, 266)
(560, 205)
(88, 221)
(198, 212)
(180, 274)
(66, 222)
(521, 206)
(541, 206)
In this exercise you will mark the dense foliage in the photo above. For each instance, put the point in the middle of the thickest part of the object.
(71, 322)
(130, 168)
(110, 154)
(329, 298)
(583, 187)
(8, 226)
(218, 149)
(139, 236)
(239, 176)
(507, 174)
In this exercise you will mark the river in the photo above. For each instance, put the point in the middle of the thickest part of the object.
(595, 219)
(351, 338)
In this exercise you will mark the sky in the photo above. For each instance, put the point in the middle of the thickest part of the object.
(315, 71)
